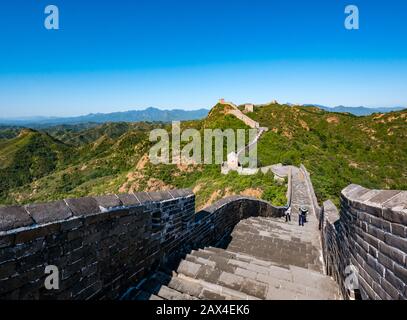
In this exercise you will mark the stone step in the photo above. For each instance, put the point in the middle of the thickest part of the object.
(213, 275)
(294, 280)
(265, 267)
(215, 291)
(199, 288)
(232, 259)
(179, 284)
(313, 279)
(155, 287)
(243, 268)
(234, 256)
(282, 257)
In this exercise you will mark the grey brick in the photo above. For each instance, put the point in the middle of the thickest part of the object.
(399, 230)
(394, 253)
(371, 240)
(188, 268)
(7, 269)
(376, 232)
(6, 240)
(379, 290)
(385, 261)
(390, 289)
(396, 241)
(400, 272)
(37, 232)
(230, 280)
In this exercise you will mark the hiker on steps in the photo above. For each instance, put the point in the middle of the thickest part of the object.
(302, 216)
(287, 214)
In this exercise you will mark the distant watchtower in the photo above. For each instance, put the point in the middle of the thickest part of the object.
(222, 101)
(248, 107)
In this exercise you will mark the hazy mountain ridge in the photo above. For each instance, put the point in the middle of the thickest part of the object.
(357, 111)
(156, 115)
(149, 114)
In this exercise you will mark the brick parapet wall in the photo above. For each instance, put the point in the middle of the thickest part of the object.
(335, 247)
(315, 206)
(103, 245)
(371, 234)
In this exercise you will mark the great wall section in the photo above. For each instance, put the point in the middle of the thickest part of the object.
(141, 246)
(155, 246)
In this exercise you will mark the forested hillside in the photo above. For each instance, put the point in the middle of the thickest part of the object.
(93, 159)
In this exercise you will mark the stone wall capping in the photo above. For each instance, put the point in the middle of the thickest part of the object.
(83, 206)
(160, 195)
(350, 189)
(49, 212)
(331, 212)
(398, 200)
(142, 197)
(128, 199)
(362, 197)
(13, 217)
(382, 197)
(180, 193)
(108, 201)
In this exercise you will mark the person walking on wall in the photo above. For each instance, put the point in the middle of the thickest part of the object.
(288, 214)
(302, 216)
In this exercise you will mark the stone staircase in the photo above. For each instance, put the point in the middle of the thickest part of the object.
(217, 274)
(263, 258)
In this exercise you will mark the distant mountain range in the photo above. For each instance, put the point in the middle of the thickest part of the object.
(153, 114)
(357, 111)
(149, 114)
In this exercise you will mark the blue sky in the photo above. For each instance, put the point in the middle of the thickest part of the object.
(120, 55)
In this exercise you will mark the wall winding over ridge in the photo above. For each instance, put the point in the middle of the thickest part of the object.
(370, 232)
(103, 245)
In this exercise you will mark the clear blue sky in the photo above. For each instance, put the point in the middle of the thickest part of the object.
(120, 55)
